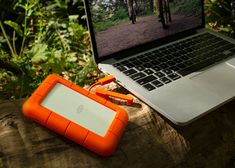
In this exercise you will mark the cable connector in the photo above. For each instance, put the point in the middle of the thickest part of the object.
(106, 94)
(106, 80)
(103, 81)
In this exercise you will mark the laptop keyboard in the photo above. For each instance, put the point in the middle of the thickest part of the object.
(164, 65)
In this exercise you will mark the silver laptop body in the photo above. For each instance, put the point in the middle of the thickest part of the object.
(182, 100)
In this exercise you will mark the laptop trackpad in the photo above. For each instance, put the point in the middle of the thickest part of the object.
(220, 80)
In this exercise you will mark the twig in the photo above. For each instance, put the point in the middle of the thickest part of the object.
(25, 28)
(8, 42)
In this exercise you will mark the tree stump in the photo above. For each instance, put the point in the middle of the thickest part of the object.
(149, 140)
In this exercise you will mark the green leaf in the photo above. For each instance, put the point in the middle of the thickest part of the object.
(73, 17)
(30, 12)
(61, 4)
(39, 53)
(15, 26)
(83, 17)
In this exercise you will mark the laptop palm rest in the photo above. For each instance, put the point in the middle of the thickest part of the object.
(198, 95)
(220, 80)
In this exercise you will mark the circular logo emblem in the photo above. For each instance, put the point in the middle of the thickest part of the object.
(80, 108)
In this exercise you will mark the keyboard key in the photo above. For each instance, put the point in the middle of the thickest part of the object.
(195, 60)
(149, 87)
(138, 76)
(177, 60)
(157, 83)
(152, 56)
(129, 65)
(181, 65)
(136, 62)
(159, 55)
(156, 68)
(117, 64)
(140, 68)
(194, 67)
(219, 57)
(184, 57)
(228, 53)
(132, 59)
(183, 52)
(170, 63)
(130, 72)
(175, 68)
(167, 71)
(155, 62)
(163, 66)
(165, 80)
(169, 57)
(176, 54)
(147, 65)
(121, 68)
(162, 60)
(148, 71)
(189, 63)
(174, 76)
(146, 79)
(228, 46)
(144, 60)
(160, 74)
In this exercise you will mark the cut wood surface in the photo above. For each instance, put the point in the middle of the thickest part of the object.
(149, 140)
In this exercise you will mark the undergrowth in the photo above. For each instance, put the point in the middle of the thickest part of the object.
(38, 38)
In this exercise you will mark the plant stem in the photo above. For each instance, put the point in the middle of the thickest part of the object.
(25, 29)
(8, 42)
(13, 43)
(62, 40)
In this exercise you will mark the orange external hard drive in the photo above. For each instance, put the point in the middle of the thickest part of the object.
(77, 114)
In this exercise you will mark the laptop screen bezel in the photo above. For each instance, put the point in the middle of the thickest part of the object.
(139, 48)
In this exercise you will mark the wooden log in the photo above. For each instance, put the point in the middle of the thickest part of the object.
(149, 140)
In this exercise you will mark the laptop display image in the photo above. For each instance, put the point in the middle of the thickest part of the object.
(147, 27)
(161, 52)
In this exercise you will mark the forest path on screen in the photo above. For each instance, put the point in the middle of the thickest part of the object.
(148, 28)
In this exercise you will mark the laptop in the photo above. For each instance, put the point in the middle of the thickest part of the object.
(183, 71)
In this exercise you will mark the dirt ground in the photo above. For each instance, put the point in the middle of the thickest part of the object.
(146, 29)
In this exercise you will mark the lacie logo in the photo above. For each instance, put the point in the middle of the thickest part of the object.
(80, 108)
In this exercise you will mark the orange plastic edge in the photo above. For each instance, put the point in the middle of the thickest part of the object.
(51, 78)
(112, 106)
(76, 133)
(104, 146)
(97, 98)
(57, 123)
(33, 110)
(43, 89)
(117, 127)
(79, 89)
(122, 115)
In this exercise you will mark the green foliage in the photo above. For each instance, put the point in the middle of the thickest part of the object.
(218, 16)
(15, 26)
(105, 20)
(42, 38)
(119, 14)
(191, 7)
(144, 8)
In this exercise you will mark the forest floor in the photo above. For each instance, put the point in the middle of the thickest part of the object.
(146, 29)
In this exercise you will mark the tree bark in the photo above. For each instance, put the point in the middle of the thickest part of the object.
(149, 140)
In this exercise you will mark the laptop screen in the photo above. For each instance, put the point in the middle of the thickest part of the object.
(119, 25)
